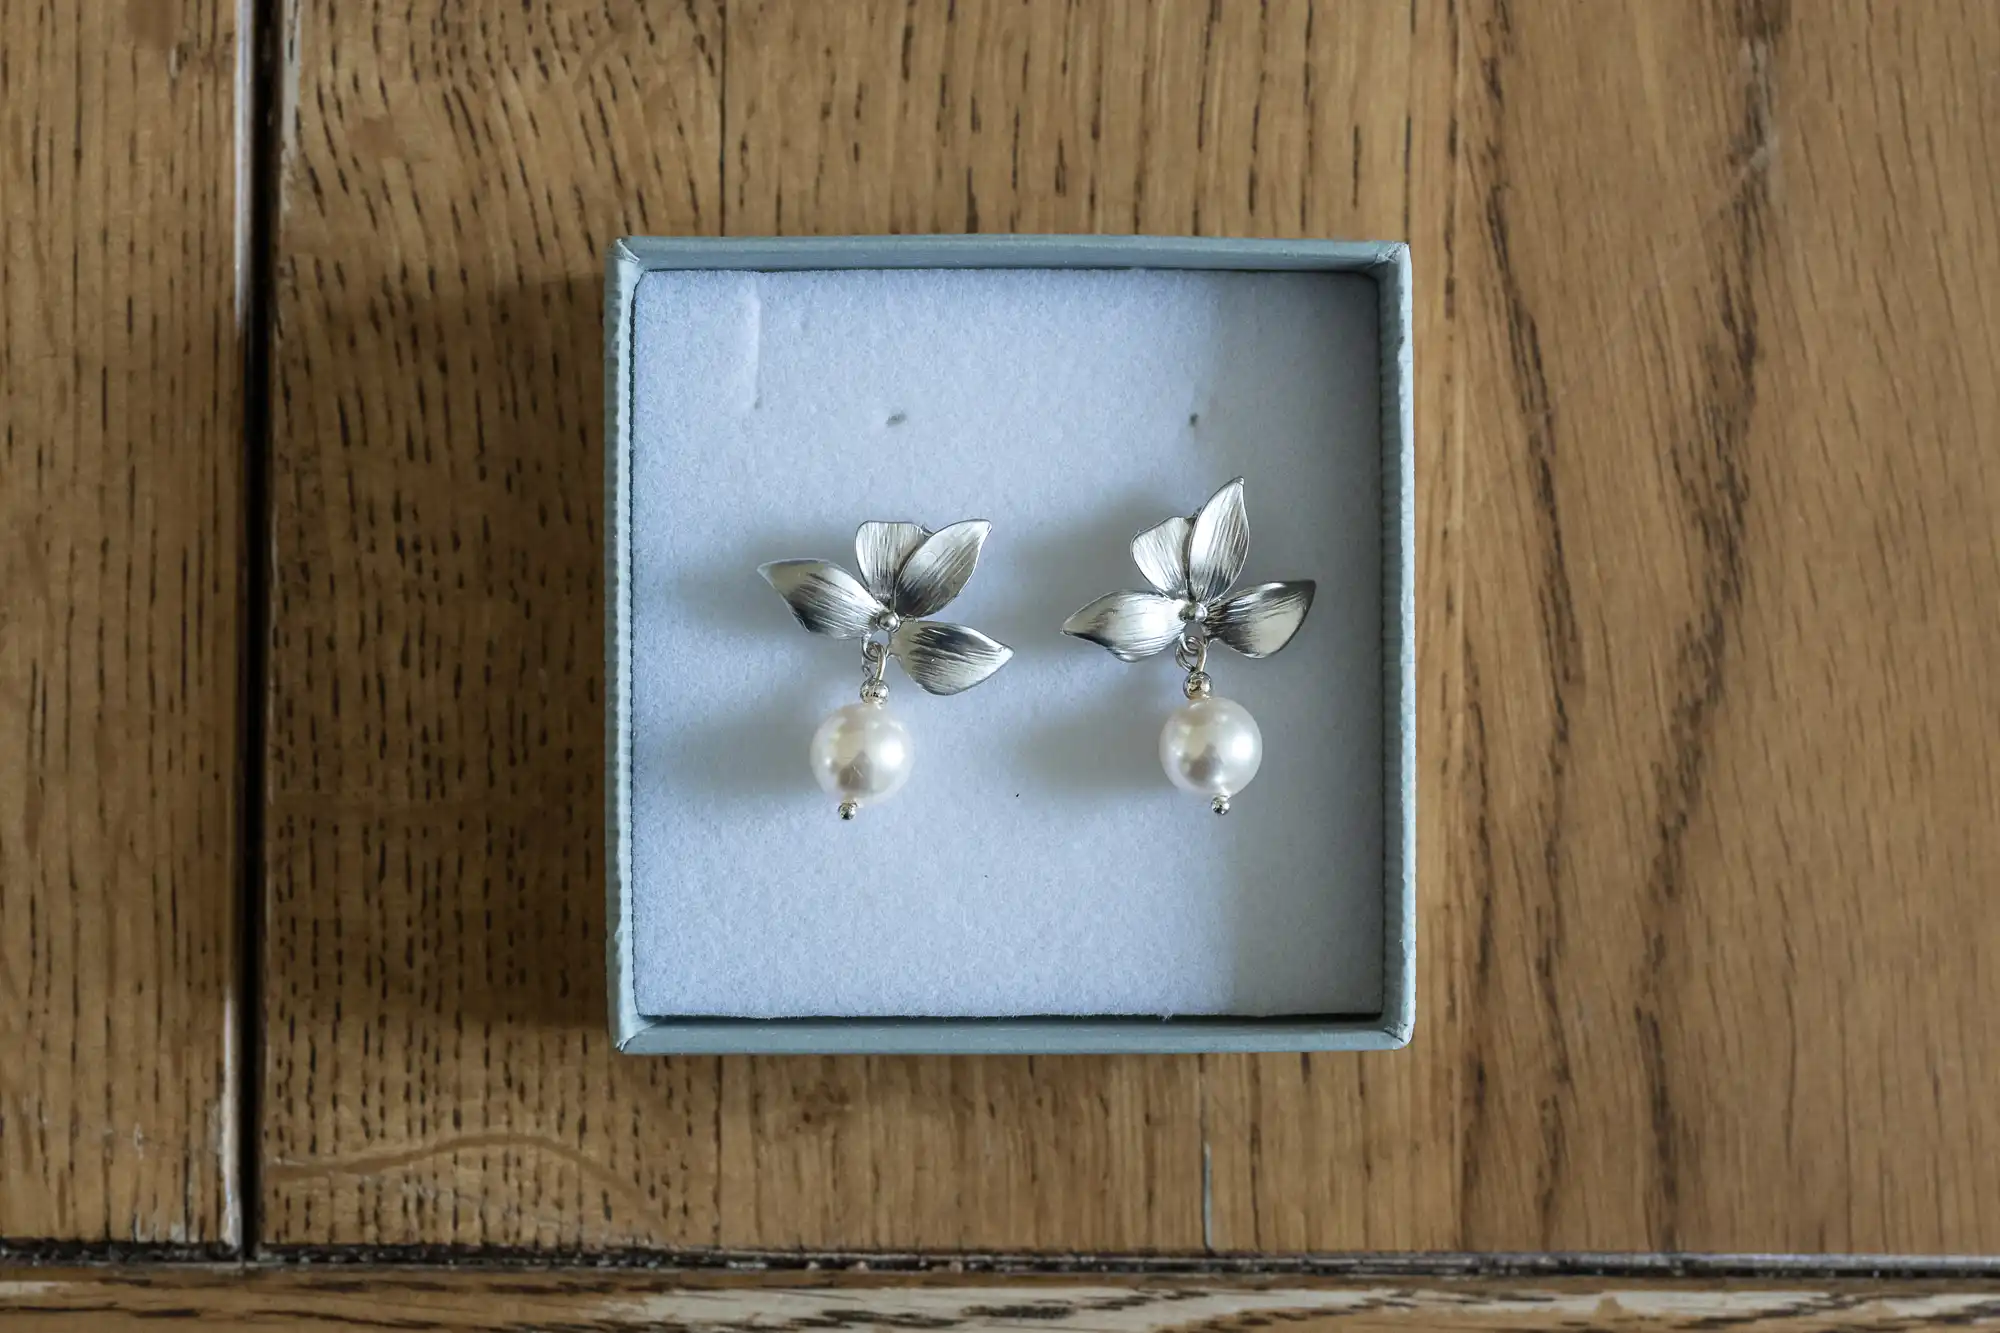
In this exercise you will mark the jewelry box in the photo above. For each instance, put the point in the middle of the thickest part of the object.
(1039, 887)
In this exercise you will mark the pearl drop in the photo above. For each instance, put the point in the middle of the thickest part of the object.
(1211, 747)
(861, 753)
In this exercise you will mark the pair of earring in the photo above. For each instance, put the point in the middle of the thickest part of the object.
(1210, 746)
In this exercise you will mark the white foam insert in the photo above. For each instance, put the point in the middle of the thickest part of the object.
(1038, 862)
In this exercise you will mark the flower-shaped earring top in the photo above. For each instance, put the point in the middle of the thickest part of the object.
(1211, 745)
(1192, 564)
(862, 752)
(907, 572)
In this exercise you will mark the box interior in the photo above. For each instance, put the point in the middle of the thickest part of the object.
(1038, 863)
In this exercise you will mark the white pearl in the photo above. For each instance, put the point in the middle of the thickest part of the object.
(1211, 746)
(862, 753)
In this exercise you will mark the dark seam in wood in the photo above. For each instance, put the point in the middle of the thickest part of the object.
(1714, 485)
(259, 242)
(1556, 599)
(1435, 1264)
(1311, 117)
(1201, 102)
(1480, 1003)
(1450, 237)
(722, 114)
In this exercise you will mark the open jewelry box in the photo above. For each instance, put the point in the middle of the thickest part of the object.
(1038, 886)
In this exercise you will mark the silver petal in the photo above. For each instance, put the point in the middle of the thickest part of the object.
(1219, 544)
(938, 568)
(826, 598)
(1259, 621)
(1131, 624)
(1161, 554)
(945, 659)
(880, 550)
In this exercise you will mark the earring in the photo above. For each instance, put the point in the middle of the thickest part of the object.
(861, 752)
(1211, 745)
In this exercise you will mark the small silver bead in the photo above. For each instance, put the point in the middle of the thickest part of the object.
(848, 809)
(875, 691)
(1220, 805)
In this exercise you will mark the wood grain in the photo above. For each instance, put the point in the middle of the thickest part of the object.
(1282, 119)
(121, 448)
(1706, 526)
(1711, 848)
(406, 1298)
(436, 1063)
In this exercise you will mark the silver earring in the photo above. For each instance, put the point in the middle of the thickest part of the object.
(862, 752)
(1211, 745)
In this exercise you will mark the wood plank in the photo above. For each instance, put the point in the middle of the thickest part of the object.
(1362, 1148)
(371, 1298)
(1712, 843)
(121, 442)
(1170, 118)
(437, 1067)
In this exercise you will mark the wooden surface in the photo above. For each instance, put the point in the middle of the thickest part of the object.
(414, 1298)
(1706, 299)
(121, 444)
(1709, 514)
(1708, 503)
(437, 1064)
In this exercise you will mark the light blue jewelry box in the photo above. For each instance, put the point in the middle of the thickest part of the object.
(1388, 264)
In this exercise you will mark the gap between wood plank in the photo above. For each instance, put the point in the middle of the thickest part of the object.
(259, 45)
(777, 1264)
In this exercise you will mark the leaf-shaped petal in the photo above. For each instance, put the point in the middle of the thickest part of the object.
(1161, 554)
(938, 568)
(1219, 544)
(826, 598)
(1131, 624)
(1259, 621)
(880, 550)
(945, 659)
